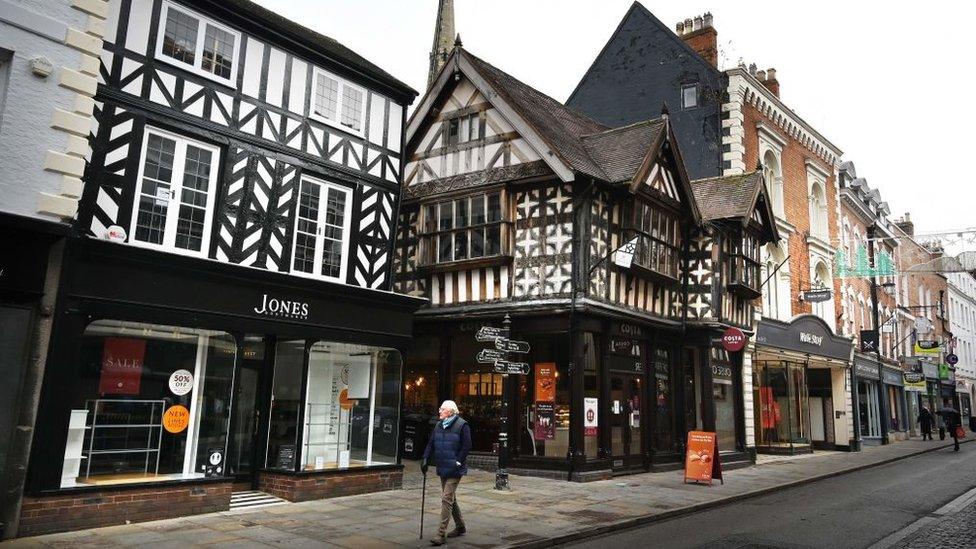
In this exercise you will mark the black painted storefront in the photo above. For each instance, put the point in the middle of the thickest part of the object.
(107, 282)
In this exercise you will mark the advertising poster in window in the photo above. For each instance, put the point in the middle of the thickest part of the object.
(545, 401)
(122, 360)
(590, 417)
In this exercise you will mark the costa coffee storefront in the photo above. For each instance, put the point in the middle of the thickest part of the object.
(800, 382)
(175, 378)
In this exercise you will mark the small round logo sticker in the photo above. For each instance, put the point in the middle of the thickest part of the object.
(181, 382)
(176, 419)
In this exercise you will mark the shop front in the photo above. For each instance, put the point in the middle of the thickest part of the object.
(623, 405)
(963, 388)
(893, 385)
(800, 384)
(252, 380)
(867, 389)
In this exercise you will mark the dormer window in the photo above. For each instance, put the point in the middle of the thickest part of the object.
(658, 235)
(338, 103)
(194, 43)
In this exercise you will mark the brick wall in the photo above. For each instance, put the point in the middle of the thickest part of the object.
(796, 199)
(65, 512)
(330, 484)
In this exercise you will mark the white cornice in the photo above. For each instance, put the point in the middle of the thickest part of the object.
(743, 84)
(814, 167)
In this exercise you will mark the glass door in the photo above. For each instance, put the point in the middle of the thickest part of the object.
(626, 414)
(246, 414)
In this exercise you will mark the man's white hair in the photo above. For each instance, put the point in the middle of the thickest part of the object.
(451, 406)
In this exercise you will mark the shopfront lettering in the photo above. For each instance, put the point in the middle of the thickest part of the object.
(631, 330)
(811, 339)
(271, 306)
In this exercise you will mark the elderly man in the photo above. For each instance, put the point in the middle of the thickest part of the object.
(449, 445)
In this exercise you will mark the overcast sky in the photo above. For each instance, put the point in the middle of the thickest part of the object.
(890, 84)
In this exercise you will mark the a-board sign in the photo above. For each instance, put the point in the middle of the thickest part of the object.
(489, 356)
(490, 333)
(511, 346)
(702, 460)
(506, 367)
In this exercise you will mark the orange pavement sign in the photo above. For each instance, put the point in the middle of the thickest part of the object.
(702, 460)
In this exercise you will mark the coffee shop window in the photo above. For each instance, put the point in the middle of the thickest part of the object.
(352, 403)
(421, 378)
(544, 399)
(148, 403)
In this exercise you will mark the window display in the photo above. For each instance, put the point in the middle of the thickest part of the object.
(782, 404)
(149, 403)
(351, 406)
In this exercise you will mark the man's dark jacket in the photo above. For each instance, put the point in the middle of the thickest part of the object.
(448, 447)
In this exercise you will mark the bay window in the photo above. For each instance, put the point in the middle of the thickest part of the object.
(174, 202)
(658, 239)
(470, 227)
(197, 44)
(321, 230)
(741, 267)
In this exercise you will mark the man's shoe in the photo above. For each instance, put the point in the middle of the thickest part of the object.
(438, 541)
(457, 532)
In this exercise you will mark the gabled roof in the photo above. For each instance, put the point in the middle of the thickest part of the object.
(317, 42)
(620, 151)
(734, 197)
(561, 127)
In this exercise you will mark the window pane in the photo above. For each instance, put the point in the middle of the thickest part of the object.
(477, 242)
(474, 122)
(447, 216)
(478, 210)
(352, 108)
(307, 228)
(326, 96)
(444, 247)
(461, 213)
(352, 406)
(193, 210)
(156, 184)
(461, 245)
(120, 393)
(218, 52)
(334, 232)
(180, 38)
(494, 238)
(494, 207)
(689, 96)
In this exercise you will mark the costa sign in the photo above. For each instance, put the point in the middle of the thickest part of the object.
(733, 340)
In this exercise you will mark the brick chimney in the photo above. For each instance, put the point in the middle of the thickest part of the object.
(905, 224)
(701, 36)
(770, 82)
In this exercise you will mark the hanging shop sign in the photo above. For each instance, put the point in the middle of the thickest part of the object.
(817, 295)
(927, 348)
(733, 340)
(946, 372)
(180, 382)
(590, 416)
(122, 360)
(914, 381)
(951, 359)
(870, 341)
(923, 325)
(176, 419)
(930, 370)
(703, 462)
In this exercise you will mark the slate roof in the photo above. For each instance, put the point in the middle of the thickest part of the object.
(318, 42)
(561, 127)
(621, 151)
(729, 197)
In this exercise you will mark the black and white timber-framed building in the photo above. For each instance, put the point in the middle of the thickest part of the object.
(513, 205)
(226, 321)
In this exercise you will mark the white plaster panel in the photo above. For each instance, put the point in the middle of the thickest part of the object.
(253, 60)
(137, 36)
(276, 77)
(298, 87)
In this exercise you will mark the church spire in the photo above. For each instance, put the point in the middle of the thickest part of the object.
(443, 39)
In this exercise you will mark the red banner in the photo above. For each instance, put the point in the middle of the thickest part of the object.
(122, 361)
(702, 460)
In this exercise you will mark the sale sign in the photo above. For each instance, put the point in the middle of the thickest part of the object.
(122, 360)
(702, 460)
(176, 419)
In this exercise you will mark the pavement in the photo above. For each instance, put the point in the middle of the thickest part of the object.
(535, 513)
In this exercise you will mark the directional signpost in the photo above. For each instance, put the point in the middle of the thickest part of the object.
(499, 358)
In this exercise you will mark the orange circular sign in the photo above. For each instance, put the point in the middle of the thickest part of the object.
(176, 419)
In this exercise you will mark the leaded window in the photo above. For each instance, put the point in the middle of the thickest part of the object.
(469, 227)
(658, 234)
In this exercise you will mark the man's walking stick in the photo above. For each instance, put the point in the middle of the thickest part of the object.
(423, 501)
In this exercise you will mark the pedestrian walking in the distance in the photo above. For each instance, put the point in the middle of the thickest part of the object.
(448, 450)
(925, 421)
(953, 424)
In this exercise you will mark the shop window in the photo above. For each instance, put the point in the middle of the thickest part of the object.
(591, 395)
(322, 230)
(664, 439)
(471, 227)
(338, 102)
(197, 44)
(351, 406)
(421, 377)
(174, 201)
(658, 238)
(148, 403)
(781, 403)
(723, 398)
(544, 399)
